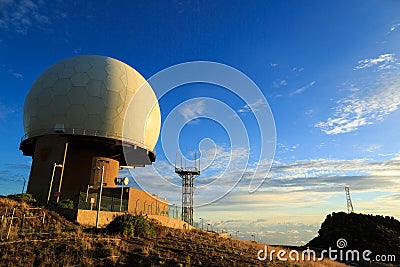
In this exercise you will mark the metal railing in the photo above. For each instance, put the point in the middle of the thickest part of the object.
(187, 169)
(83, 132)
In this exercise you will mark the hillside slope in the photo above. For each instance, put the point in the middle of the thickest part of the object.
(59, 242)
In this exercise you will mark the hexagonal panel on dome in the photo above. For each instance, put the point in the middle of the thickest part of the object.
(37, 84)
(97, 73)
(115, 69)
(77, 95)
(76, 116)
(66, 72)
(97, 61)
(117, 126)
(112, 99)
(114, 83)
(110, 113)
(44, 117)
(59, 105)
(120, 110)
(46, 99)
(95, 105)
(62, 86)
(94, 122)
(82, 66)
(134, 81)
(79, 79)
(95, 88)
(49, 79)
(33, 106)
(124, 79)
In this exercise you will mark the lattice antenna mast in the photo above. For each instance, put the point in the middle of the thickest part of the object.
(349, 203)
(187, 174)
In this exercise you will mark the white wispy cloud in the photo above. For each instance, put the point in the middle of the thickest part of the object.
(361, 108)
(20, 16)
(394, 27)
(259, 105)
(279, 83)
(190, 111)
(371, 102)
(283, 148)
(298, 69)
(5, 111)
(17, 75)
(302, 89)
(325, 169)
(372, 148)
(309, 112)
(383, 62)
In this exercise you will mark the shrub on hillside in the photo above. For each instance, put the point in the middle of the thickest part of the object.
(27, 198)
(66, 204)
(132, 225)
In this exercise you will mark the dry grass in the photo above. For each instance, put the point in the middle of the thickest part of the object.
(62, 243)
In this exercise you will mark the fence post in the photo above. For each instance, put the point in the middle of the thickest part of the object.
(22, 222)
(9, 228)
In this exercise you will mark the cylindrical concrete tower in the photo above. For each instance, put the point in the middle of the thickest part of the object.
(74, 120)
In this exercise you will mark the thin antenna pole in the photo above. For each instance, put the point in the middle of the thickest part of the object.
(195, 160)
(23, 187)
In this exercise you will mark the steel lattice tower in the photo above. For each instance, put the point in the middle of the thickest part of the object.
(188, 174)
(349, 203)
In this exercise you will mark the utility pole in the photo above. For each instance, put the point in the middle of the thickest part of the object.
(51, 180)
(62, 172)
(101, 189)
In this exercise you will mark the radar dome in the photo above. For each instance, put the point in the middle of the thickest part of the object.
(90, 95)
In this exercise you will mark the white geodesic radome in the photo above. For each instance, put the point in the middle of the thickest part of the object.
(90, 95)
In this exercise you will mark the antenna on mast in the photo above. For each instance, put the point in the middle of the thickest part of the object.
(348, 199)
(188, 174)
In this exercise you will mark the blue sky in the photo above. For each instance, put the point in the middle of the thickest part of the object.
(328, 69)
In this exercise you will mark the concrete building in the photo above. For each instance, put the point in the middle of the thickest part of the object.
(125, 199)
